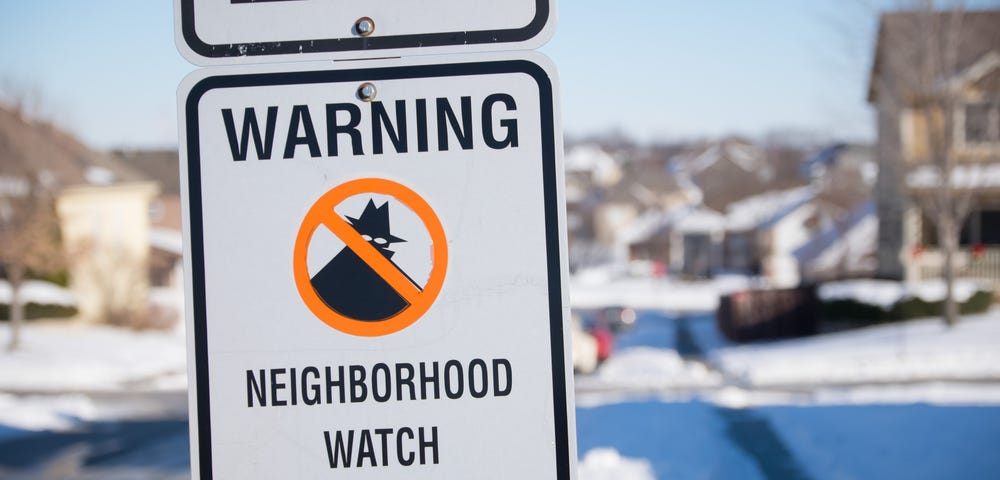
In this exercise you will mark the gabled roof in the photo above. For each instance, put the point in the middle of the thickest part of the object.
(833, 237)
(33, 148)
(742, 154)
(986, 65)
(900, 53)
(765, 210)
(849, 247)
(160, 166)
(690, 218)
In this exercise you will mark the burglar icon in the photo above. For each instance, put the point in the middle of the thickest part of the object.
(351, 287)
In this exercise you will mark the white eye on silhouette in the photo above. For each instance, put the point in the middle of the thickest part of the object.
(381, 241)
(367, 238)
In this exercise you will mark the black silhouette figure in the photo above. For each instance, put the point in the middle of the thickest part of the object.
(350, 286)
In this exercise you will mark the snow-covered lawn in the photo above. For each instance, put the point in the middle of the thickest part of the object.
(608, 464)
(916, 351)
(38, 292)
(649, 369)
(597, 288)
(72, 357)
(21, 415)
(885, 293)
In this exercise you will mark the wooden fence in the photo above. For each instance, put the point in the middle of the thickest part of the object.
(768, 314)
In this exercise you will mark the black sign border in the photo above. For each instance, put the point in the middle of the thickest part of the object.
(549, 192)
(348, 44)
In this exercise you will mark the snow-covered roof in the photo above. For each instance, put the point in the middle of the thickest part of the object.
(648, 224)
(592, 159)
(745, 156)
(848, 244)
(767, 208)
(684, 219)
(702, 220)
(967, 176)
(585, 158)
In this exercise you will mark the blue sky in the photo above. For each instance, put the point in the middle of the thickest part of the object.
(108, 70)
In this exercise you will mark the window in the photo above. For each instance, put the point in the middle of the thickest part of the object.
(982, 123)
(980, 227)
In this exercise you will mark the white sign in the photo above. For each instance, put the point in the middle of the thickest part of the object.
(376, 288)
(214, 32)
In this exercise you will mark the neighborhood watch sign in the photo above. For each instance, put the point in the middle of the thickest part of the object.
(375, 270)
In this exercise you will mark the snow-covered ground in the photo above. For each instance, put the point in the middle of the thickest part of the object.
(604, 288)
(920, 361)
(607, 464)
(60, 357)
(22, 414)
(885, 293)
(916, 351)
(38, 292)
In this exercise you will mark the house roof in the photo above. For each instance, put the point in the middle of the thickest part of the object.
(33, 148)
(850, 245)
(685, 219)
(644, 182)
(740, 153)
(765, 210)
(160, 166)
(835, 236)
(906, 46)
(726, 171)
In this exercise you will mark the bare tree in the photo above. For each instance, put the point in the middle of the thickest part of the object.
(29, 229)
(946, 205)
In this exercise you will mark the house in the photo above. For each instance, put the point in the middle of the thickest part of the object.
(763, 231)
(684, 240)
(103, 208)
(642, 187)
(935, 84)
(756, 236)
(105, 230)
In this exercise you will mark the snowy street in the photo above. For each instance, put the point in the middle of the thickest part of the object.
(675, 400)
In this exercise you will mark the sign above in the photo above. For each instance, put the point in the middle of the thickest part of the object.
(375, 270)
(219, 32)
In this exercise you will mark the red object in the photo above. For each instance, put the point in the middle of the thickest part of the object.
(659, 269)
(918, 249)
(978, 250)
(605, 343)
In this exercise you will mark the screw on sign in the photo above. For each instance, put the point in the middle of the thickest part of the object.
(360, 290)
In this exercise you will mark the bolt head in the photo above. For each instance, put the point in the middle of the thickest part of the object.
(367, 92)
(365, 26)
